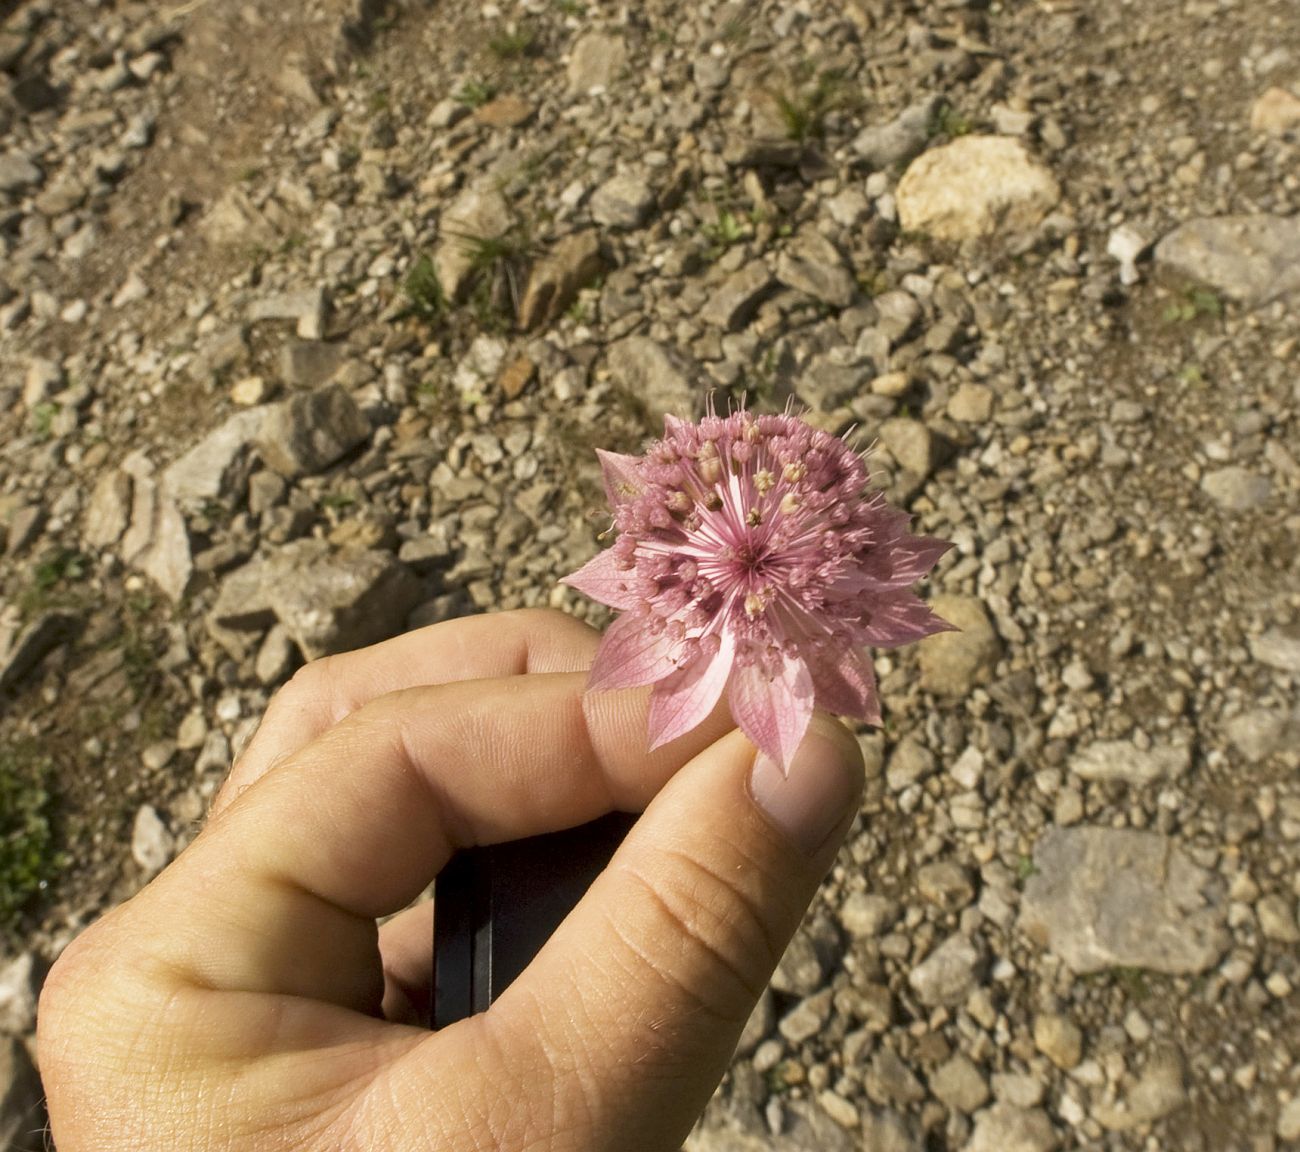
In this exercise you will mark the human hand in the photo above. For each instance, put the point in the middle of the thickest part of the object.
(246, 999)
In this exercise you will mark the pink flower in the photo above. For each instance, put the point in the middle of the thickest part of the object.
(750, 558)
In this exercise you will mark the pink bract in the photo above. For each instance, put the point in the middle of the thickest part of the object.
(751, 559)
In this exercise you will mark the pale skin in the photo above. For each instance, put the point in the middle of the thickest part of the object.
(247, 1000)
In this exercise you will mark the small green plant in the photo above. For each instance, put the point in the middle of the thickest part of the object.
(724, 230)
(948, 121)
(43, 421)
(380, 101)
(423, 290)
(805, 109)
(1025, 868)
(513, 43)
(571, 7)
(1133, 981)
(497, 266)
(51, 577)
(736, 31)
(475, 93)
(29, 857)
(1194, 304)
(337, 501)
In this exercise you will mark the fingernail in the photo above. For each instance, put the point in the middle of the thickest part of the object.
(812, 799)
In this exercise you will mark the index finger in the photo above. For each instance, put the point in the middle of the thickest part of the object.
(472, 648)
(297, 869)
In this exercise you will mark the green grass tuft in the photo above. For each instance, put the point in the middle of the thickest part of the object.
(29, 857)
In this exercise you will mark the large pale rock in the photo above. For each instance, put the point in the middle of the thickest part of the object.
(478, 213)
(327, 601)
(948, 974)
(1250, 259)
(814, 266)
(156, 542)
(806, 1127)
(975, 186)
(557, 279)
(596, 61)
(735, 300)
(952, 663)
(109, 511)
(1006, 1128)
(1124, 761)
(18, 173)
(236, 220)
(661, 378)
(20, 981)
(152, 844)
(204, 471)
(307, 307)
(623, 201)
(1236, 489)
(1106, 898)
(309, 432)
(1159, 1091)
(1276, 113)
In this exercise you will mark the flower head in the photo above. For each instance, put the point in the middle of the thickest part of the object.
(751, 559)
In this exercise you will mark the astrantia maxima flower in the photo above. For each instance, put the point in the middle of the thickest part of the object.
(752, 560)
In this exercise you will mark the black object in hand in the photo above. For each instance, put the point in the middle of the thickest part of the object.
(495, 907)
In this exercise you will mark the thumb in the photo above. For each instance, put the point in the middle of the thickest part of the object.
(639, 999)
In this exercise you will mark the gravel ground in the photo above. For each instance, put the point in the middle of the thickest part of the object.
(310, 319)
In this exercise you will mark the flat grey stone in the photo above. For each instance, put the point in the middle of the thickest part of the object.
(1006, 1128)
(1122, 760)
(814, 266)
(661, 378)
(623, 201)
(204, 471)
(20, 982)
(327, 601)
(1115, 898)
(1250, 259)
(596, 61)
(307, 433)
(1236, 489)
(952, 663)
(1277, 649)
(949, 974)
(899, 140)
(156, 542)
(18, 173)
(479, 213)
(307, 306)
(734, 302)
(152, 844)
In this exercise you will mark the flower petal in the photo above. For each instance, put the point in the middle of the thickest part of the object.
(900, 619)
(630, 655)
(622, 476)
(604, 581)
(774, 713)
(685, 699)
(912, 557)
(848, 687)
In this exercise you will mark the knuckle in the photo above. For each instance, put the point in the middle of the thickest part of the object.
(724, 948)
